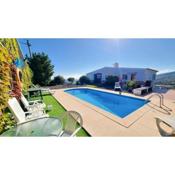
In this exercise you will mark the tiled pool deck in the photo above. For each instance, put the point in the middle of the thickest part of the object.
(98, 122)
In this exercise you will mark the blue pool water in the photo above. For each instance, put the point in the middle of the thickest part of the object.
(116, 104)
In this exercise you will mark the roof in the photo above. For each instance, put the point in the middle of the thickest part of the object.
(121, 68)
(152, 69)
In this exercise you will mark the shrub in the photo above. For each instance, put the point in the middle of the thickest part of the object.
(6, 122)
(84, 80)
(77, 83)
(58, 80)
(110, 80)
(9, 51)
(71, 80)
(26, 77)
(9, 80)
(131, 84)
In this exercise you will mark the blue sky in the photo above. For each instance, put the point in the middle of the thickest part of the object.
(76, 57)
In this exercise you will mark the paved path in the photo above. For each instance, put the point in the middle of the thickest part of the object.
(98, 124)
(170, 95)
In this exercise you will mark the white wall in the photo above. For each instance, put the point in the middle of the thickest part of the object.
(106, 71)
(141, 73)
(149, 74)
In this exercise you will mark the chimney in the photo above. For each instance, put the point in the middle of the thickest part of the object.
(116, 65)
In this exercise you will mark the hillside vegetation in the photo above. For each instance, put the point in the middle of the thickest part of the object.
(166, 78)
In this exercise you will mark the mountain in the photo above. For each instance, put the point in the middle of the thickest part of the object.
(166, 78)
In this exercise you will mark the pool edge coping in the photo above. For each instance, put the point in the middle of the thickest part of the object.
(126, 122)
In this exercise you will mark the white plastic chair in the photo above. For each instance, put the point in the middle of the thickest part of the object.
(72, 123)
(117, 87)
(32, 105)
(20, 115)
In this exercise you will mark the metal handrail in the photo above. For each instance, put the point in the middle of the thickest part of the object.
(163, 102)
(161, 97)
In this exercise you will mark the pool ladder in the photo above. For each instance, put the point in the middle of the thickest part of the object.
(161, 104)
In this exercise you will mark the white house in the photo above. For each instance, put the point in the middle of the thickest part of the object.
(123, 74)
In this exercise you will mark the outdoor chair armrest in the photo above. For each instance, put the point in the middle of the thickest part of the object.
(33, 105)
(168, 120)
(75, 132)
(35, 101)
(28, 112)
(38, 110)
(61, 133)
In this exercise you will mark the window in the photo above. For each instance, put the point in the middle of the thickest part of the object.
(98, 77)
(124, 76)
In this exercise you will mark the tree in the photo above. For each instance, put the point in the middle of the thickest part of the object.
(84, 80)
(71, 80)
(77, 82)
(41, 67)
(58, 80)
(110, 80)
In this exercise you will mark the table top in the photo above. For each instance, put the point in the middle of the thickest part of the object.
(46, 126)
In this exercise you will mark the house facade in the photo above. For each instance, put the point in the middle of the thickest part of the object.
(123, 74)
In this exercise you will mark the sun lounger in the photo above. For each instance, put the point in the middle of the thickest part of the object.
(142, 90)
(168, 120)
(30, 105)
(20, 115)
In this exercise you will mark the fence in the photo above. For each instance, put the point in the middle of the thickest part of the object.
(65, 86)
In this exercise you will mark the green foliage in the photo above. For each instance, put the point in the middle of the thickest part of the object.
(84, 80)
(77, 83)
(6, 122)
(10, 84)
(6, 58)
(71, 79)
(26, 77)
(110, 80)
(58, 80)
(131, 84)
(42, 68)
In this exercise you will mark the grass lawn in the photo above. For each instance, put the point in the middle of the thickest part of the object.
(57, 110)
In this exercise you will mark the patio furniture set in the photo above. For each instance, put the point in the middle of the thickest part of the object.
(35, 121)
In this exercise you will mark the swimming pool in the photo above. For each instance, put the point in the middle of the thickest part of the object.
(119, 105)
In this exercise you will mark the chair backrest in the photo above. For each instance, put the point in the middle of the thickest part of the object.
(24, 101)
(71, 120)
(16, 109)
(117, 84)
